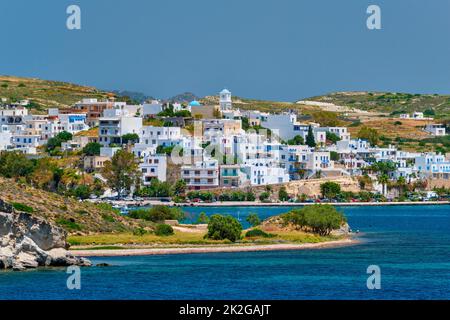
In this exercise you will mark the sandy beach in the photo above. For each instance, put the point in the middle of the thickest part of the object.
(210, 249)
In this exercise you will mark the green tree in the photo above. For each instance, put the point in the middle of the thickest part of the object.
(179, 188)
(332, 137)
(82, 192)
(57, 140)
(310, 140)
(130, 138)
(320, 219)
(282, 194)
(202, 218)
(223, 227)
(334, 156)
(122, 172)
(330, 189)
(297, 140)
(92, 149)
(369, 134)
(15, 164)
(253, 219)
(156, 189)
(383, 179)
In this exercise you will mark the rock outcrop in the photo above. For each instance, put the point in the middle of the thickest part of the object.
(29, 242)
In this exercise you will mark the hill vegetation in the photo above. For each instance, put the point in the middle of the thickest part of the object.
(44, 94)
(74, 216)
(388, 102)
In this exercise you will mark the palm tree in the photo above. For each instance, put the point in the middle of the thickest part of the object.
(383, 180)
(401, 184)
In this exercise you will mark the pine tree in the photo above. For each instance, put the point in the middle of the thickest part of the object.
(310, 141)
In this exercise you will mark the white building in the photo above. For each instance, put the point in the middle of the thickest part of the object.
(5, 140)
(225, 100)
(152, 109)
(432, 165)
(201, 175)
(153, 166)
(164, 136)
(435, 129)
(261, 172)
(115, 124)
(341, 132)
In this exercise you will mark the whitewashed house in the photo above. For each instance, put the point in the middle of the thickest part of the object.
(435, 129)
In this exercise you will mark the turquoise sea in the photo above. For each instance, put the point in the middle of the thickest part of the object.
(410, 244)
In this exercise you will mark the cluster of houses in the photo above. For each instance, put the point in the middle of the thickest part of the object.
(219, 151)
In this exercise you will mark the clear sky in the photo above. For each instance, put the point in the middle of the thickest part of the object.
(266, 49)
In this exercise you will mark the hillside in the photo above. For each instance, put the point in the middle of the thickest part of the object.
(44, 93)
(74, 216)
(389, 102)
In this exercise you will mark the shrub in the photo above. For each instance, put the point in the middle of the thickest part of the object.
(250, 196)
(253, 219)
(139, 232)
(164, 230)
(258, 233)
(70, 225)
(202, 218)
(204, 196)
(15, 164)
(158, 214)
(264, 196)
(22, 207)
(82, 192)
(223, 227)
(282, 194)
(108, 218)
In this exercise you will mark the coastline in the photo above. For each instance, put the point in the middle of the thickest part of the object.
(270, 204)
(217, 249)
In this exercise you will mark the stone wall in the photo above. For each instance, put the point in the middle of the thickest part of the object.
(309, 187)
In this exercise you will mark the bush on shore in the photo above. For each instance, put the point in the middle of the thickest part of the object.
(258, 233)
(164, 230)
(224, 227)
(320, 219)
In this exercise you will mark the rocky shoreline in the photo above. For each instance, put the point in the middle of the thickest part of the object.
(30, 242)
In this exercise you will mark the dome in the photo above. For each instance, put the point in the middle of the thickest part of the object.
(225, 91)
(194, 103)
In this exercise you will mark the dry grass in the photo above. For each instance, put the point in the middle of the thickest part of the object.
(47, 93)
(408, 129)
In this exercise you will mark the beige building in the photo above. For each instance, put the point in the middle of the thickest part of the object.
(92, 163)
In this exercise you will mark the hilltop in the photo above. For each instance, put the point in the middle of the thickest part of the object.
(388, 102)
(44, 94)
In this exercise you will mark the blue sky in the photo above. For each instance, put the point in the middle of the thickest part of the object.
(267, 49)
